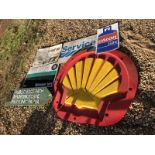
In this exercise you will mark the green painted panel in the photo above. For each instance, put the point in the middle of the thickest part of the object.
(41, 74)
(30, 97)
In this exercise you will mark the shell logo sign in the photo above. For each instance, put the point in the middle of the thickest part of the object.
(95, 88)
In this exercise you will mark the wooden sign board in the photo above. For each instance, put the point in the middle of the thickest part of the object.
(30, 97)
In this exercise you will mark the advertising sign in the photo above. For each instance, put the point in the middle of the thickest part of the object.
(41, 76)
(47, 55)
(44, 69)
(108, 38)
(70, 48)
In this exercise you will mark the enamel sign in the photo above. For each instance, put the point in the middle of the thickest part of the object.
(41, 76)
(108, 38)
(44, 69)
(70, 48)
(47, 55)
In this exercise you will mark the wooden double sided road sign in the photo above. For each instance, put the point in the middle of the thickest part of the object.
(30, 97)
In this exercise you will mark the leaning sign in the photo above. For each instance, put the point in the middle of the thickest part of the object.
(70, 48)
(108, 38)
(47, 55)
(44, 69)
(30, 97)
(42, 76)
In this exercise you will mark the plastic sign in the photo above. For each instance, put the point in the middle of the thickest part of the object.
(108, 38)
(95, 88)
(70, 48)
(30, 97)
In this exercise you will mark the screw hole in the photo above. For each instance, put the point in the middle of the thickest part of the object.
(74, 118)
(121, 58)
(130, 89)
(106, 115)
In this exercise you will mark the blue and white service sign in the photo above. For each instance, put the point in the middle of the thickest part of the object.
(70, 48)
(108, 38)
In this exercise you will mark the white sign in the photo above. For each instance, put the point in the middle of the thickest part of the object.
(47, 55)
(70, 48)
(44, 70)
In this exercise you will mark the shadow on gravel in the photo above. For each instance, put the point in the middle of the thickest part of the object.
(147, 98)
(43, 123)
(39, 123)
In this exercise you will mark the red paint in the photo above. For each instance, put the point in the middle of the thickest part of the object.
(109, 37)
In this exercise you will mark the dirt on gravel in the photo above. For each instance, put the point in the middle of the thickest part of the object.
(3, 25)
(137, 40)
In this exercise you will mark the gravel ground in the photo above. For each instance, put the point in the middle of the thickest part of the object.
(137, 40)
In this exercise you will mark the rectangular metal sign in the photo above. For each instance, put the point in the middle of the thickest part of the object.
(41, 76)
(30, 97)
(44, 69)
(108, 38)
(47, 55)
(70, 48)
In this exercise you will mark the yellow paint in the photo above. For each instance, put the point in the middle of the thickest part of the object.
(79, 72)
(87, 67)
(109, 90)
(96, 67)
(66, 83)
(91, 104)
(83, 99)
(105, 69)
(89, 81)
(111, 77)
(70, 100)
(72, 77)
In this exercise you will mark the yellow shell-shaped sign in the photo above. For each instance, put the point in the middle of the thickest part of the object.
(89, 81)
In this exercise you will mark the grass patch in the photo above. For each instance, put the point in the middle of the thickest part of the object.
(16, 45)
(16, 35)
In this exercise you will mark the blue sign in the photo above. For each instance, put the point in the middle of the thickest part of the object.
(108, 38)
(70, 48)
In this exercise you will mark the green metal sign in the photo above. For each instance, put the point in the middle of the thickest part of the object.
(30, 97)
